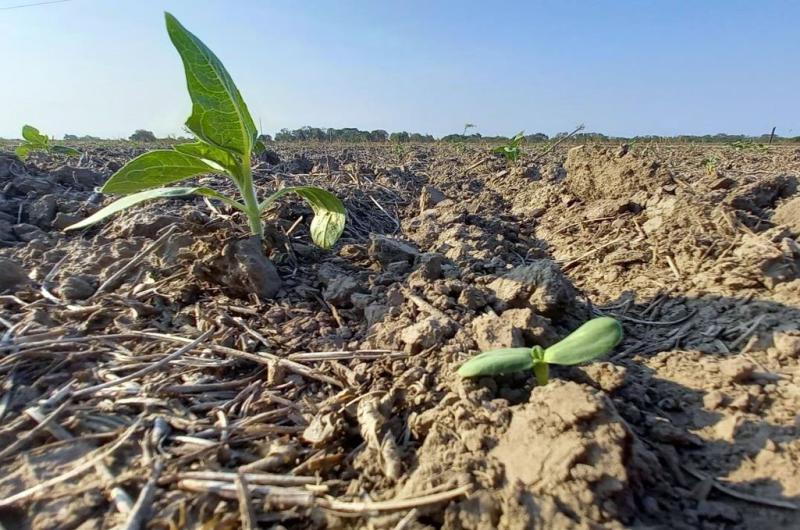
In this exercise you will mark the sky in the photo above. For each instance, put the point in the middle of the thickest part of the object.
(622, 67)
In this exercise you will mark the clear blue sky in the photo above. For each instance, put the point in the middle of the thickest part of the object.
(622, 67)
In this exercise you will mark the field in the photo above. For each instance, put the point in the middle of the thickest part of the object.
(157, 367)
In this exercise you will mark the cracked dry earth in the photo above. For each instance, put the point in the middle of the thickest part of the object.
(158, 371)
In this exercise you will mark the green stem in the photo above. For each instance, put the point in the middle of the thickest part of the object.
(542, 371)
(250, 200)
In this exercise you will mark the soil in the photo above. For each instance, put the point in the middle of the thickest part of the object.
(327, 380)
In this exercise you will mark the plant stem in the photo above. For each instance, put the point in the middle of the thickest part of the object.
(542, 372)
(250, 200)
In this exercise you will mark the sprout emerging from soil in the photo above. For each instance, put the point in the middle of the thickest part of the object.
(511, 149)
(33, 140)
(226, 139)
(590, 341)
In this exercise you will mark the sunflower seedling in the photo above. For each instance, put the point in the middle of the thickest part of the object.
(511, 149)
(33, 140)
(226, 139)
(710, 164)
(593, 339)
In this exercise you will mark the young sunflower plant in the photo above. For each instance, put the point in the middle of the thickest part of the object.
(226, 139)
(593, 339)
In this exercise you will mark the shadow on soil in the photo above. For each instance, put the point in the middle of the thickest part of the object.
(721, 400)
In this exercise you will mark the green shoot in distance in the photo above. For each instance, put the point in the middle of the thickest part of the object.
(33, 140)
(710, 164)
(511, 149)
(226, 139)
(590, 341)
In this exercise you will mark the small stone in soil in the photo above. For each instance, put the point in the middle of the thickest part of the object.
(12, 275)
(6, 232)
(386, 250)
(243, 269)
(429, 265)
(473, 297)
(27, 232)
(540, 285)
(340, 289)
(63, 220)
(424, 334)
(76, 288)
(42, 211)
(374, 312)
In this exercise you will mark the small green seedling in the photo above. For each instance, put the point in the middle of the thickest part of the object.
(511, 149)
(590, 341)
(33, 140)
(710, 164)
(226, 139)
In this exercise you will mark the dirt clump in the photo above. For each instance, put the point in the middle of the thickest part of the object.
(598, 172)
(569, 442)
(788, 214)
(12, 275)
(513, 328)
(540, 286)
(242, 268)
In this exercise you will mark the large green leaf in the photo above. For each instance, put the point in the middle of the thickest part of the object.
(207, 152)
(23, 150)
(154, 169)
(219, 114)
(329, 213)
(158, 193)
(33, 135)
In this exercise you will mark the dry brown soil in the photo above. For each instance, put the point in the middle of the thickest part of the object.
(327, 381)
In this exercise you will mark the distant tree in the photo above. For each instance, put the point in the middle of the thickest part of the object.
(538, 137)
(378, 135)
(141, 135)
(400, 137)
(590, 136)
(284, 135)
(420, 138)
(265, 138)
(85, 137)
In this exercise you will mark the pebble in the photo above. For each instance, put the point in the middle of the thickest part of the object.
(12, 274)
(76, 288)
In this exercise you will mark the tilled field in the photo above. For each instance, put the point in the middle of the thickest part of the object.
(157, 373)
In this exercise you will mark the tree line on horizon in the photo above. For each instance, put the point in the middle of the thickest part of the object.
(355, 135)
(321, 134)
